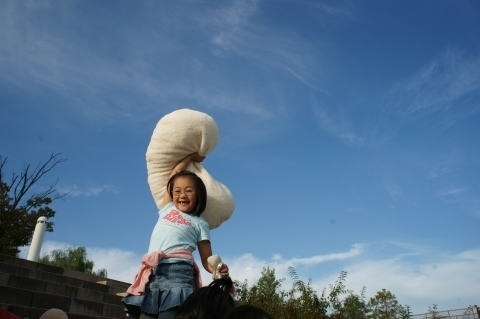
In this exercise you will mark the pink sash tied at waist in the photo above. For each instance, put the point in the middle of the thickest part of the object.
(151, 260)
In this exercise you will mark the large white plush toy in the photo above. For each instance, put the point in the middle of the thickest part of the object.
(176, 135)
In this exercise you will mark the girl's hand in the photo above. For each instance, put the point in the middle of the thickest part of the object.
(183, 164)
(195, 157)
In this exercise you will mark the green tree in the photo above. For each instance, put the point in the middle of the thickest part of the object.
(384, 305)
(337, 290)
(342, 302)
(303, 301)
(72, 258)
(20, 206)
(354, 306)
(266, 293)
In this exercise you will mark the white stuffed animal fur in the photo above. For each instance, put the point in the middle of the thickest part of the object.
(216, 262)
(176, 135)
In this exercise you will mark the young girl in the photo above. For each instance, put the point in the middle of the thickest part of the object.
(169, 274)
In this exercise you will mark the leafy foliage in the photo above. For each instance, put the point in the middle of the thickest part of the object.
(72, 258)
(264, 294)
(384, 305)
(20, 207)
(302, 301)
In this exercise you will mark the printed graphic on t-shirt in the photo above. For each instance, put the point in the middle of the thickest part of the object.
(175, 217)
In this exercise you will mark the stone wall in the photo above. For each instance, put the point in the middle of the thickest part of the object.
(30, 288)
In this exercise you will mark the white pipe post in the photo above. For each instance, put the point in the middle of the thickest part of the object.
(37, 239)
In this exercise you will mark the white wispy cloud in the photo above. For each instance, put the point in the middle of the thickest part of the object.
(356, 250)
(419, 279)
(335, 9)
(231, 22)
(89, 191)
(452, 191)
(439, 170)
(446, 279)
(337, 127)
(395, 191)
(236, 30)
(120, 264)
(440, 85)
(57, 60)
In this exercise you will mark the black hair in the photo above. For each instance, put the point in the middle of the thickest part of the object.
(200, 189)
(248, 312)
(210, 302)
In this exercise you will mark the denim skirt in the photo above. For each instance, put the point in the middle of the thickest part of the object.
(168, 287)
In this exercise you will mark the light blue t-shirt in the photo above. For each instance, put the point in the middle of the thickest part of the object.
(177, 230)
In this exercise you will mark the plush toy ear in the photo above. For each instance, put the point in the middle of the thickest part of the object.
(176, 135)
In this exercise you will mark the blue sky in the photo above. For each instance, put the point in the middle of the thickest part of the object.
(348, 131)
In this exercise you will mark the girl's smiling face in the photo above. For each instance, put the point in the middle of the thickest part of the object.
(184, 194)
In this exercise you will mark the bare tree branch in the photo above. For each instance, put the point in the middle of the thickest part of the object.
(22, 183)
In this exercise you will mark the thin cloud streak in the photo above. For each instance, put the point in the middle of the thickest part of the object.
(92, 191)
(237, 32)
(452, 192)
(337, 128)
(79, 75)
(439, 86)
(230, 23)
(356, 250)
